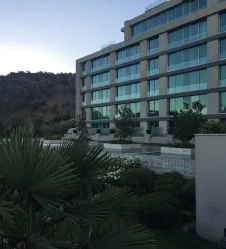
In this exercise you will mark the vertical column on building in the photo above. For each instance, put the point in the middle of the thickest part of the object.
(163, 104)
(127, 31)
(213, 55)
(163, 82)
(144, 85)
(113, 76)
(88, 96)
(78, 88)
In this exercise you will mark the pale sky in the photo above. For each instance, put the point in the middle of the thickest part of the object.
(49, 35)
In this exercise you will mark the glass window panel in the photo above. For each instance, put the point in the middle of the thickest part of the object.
(223, 48)
(223, 22)
(223, 102)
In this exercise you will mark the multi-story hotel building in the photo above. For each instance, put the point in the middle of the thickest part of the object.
(172, 54)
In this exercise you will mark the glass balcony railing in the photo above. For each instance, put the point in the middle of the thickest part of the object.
(83, 103)
(127, 59)
(188, 88)
(153, 72)
(189, 64)
(153, 50)
(153, 93)
(223, 28)
(188, 40)
(128, 77)
(99, 101)
(100, 67)
(98, 84)
(223, 82)
(128, 97)
(83, 72)
(83, 87)
(223, 55)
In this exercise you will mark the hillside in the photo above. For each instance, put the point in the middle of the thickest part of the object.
(36, 97)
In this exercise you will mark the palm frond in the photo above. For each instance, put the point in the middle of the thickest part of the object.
(30, 168)
(7, 212)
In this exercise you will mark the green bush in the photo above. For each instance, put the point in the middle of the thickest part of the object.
(212, 127)
(159, 209)
(140, 180)
(169, 182)
(187, 196)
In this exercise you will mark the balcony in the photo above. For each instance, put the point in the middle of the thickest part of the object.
(127, 59)
(127, 78)
(83, 73)
(101, 67)
(153, 50)
(128, 97)
(189, 88)
(153, 93)
(100, 101)
(83, 88)
(99, 84)
(83, 103)
(188, 40)
(223, 82)
(153, 72)
(191, 63)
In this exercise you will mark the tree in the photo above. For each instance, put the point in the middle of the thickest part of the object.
(188, 122)
(81, 124)
(124, 123)
(212, 127)
(47, 198)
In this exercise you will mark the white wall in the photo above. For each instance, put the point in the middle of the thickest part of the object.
(210, 153)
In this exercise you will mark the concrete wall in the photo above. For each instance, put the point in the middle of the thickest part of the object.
(210, 186)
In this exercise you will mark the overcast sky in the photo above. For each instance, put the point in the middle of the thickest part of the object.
(49, 35)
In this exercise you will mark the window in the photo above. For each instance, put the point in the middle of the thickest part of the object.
(83, 98)
(128, 73)
(100, 96)
(83, 68)
(186, 8)
(83, 84)
(100, 63)
(187, 34)
(103, 127)
(196, 80)
(128, 92)
(223, 75)
(100, 80)
(223, 102)
(134, 106)
(178, 104)
(154, 66)
(223, 48)
(188, 57)
(100, 112)
(153, 45)
(153, 87)
(128, 54)
(153, 108)
(223, 22)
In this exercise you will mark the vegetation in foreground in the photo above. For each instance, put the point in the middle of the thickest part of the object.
(80, 197)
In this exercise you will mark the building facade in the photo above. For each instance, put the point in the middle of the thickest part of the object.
(172, 54)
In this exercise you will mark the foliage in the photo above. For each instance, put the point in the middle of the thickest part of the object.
(81, 124)
(213, 127)
(124, 123)
(54, 198)
(188, 122)
(187, 196)
(169, 182)
(139, 180)
(34, 97)
(159, 209)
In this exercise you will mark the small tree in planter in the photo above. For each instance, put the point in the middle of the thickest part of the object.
(124, 124)
(81, 124)
(188, 122)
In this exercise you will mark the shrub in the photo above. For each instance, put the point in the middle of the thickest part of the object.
(170, 182)
(212, 127)
(187, 196)
(119, 166)
(159, 209)
(140, 180)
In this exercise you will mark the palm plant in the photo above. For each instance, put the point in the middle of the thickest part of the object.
(53, 198)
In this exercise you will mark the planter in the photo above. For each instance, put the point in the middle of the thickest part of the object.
(122, 147)
(176, 151)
